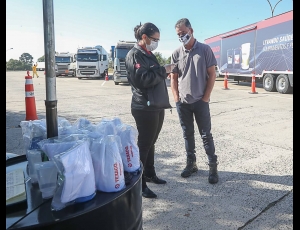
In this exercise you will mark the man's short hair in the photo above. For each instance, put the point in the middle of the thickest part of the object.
(183, 21)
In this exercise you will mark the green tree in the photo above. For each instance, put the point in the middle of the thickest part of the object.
(161, 60)
(168, 60)
(26, 59)
(110, 64)
(41, 59)
(14, 64)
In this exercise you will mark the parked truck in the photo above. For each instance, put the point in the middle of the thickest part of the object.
(65, 64)
(92, 62)
(40, 66)
(263, 49)
(119, 52)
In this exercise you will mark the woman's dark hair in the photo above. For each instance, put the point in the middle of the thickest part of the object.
(147, 28)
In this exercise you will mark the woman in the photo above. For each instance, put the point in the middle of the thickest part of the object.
(149, 98)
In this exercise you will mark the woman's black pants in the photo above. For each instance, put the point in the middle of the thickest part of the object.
(149, 124)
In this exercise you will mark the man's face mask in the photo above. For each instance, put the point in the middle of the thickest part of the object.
(185, 38)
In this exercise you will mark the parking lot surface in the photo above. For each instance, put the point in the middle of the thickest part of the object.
(253, 135)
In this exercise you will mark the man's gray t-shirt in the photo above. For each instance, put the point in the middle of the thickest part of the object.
(192, 70)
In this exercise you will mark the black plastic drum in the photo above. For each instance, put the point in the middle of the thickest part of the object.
(106, 211)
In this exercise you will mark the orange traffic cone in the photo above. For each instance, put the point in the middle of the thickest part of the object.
(106, 76)
(225, 82)
(253, 84)
(29, 99)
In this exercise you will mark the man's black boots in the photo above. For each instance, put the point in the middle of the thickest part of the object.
(190, 168)
(213, 177)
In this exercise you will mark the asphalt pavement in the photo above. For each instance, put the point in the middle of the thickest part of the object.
(253, 135)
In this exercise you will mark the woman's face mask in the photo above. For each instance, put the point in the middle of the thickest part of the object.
(153, 45)
(185, 38)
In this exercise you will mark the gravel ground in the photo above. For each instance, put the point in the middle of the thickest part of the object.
(253, 136)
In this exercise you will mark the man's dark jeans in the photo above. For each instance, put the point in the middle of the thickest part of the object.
(200, 110)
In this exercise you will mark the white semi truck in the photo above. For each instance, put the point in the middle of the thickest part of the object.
(263, 49)
(92, 62)
(40, 66)
(119, 52)
(65, 64)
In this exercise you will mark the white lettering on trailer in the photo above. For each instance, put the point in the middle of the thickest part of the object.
(286, 38)
(279, 47)
(270, 41)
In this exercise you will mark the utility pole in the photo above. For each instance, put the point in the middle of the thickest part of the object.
(49, 47)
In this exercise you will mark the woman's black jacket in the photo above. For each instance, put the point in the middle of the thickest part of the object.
(147, 80)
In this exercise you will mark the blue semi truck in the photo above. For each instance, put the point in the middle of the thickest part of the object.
(118, 54)
(263, 49)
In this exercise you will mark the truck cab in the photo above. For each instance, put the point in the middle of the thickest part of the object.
(65, 64)
(119, 53)
(92, 62)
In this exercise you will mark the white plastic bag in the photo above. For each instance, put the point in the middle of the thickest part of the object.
(77, 182)
(108, 165)
(78, 172)
(52, 147)
(130, 152)
(107, 126)
(33, 156)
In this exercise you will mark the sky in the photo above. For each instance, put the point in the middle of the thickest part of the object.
(79, 23)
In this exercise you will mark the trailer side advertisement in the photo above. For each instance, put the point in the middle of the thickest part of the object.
(256, 49)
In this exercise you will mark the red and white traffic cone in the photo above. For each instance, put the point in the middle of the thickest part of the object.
(253, 84)
(106, 76)
(29, 99)
(225, 82)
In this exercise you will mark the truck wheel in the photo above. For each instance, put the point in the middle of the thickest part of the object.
(283, 84)
(269, 82)
(116, 83)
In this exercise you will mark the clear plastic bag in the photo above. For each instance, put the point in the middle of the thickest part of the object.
(108, 164)
(130, 152)
(76, 183)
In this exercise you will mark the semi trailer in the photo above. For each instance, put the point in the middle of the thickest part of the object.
(263, 49)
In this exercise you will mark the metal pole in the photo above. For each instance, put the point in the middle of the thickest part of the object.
(50, 77)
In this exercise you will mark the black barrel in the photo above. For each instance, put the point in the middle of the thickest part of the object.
(106, 211)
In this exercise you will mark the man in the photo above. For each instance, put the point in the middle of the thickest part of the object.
(34, 71)
(192, 81)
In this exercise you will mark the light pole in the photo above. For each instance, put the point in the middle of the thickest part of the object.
(272, 9)
(6, 51)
